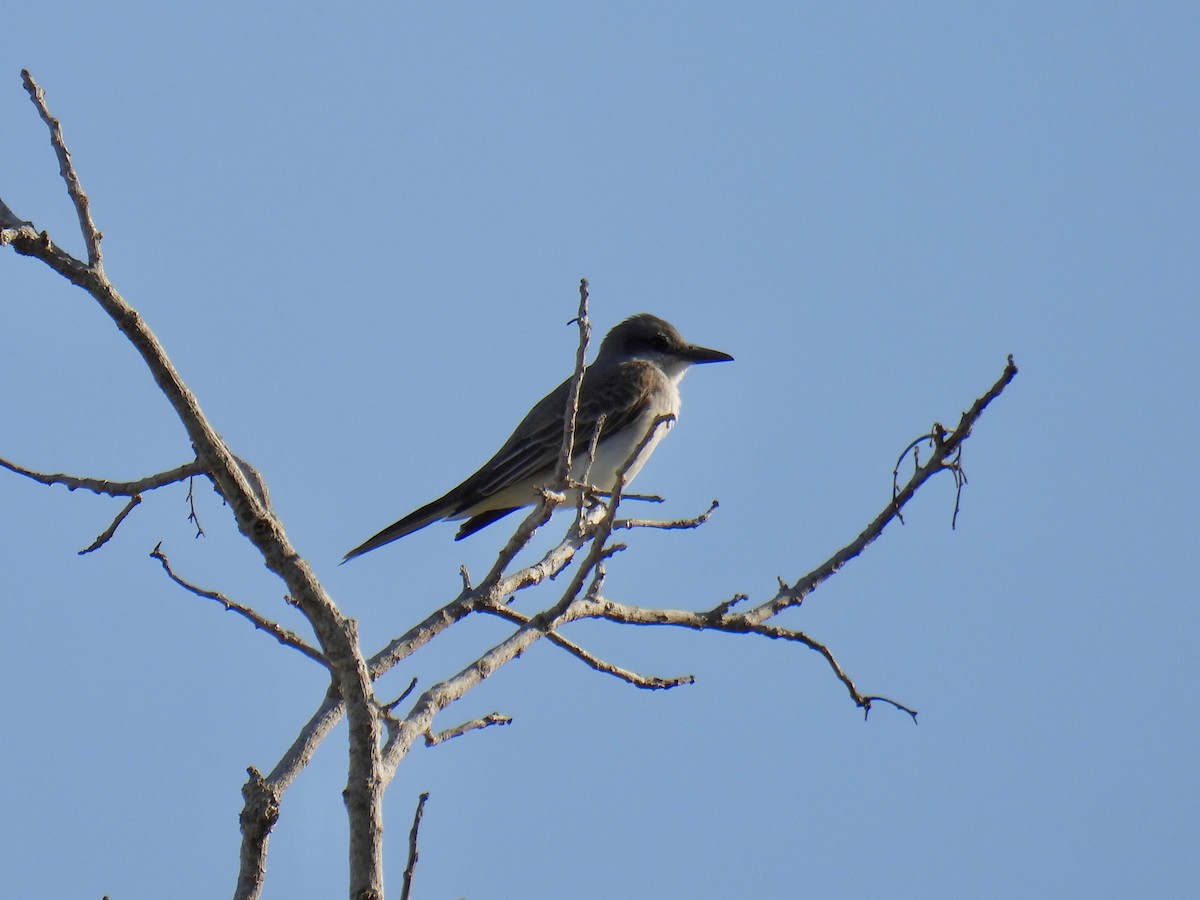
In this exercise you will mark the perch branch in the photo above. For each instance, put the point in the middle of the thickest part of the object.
(439, 696)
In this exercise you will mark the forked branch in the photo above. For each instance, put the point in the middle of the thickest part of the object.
(942, 458)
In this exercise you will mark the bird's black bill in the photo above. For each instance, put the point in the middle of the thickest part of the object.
(697, 355)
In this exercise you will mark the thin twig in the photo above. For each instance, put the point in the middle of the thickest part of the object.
(403, 696)
(419, 719)
(646, 682)
(91, 234)
(743, 623)
(725, 606)
(694, 522)
(281, 634)
(960, 481)
(108, 532)
(867, 701)
(602, 531)
(432, 740)
(645, 498)
(110, 488)
(131, 489)
(439, 696)
(193, 517)
(582, 485)
(550, 565)
(563, 468)
(944, 449)
(406, 887)
(551, 497)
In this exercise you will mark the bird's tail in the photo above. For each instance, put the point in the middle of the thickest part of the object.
(414, 521)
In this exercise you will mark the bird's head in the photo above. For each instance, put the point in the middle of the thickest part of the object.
(655, 340)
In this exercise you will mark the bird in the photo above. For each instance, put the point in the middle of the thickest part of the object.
(631, 385)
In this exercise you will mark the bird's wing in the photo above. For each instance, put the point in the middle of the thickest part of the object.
(619, 392)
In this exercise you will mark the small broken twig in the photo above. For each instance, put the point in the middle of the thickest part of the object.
(432, 740)
(694, 522)
(106, 535)
(406, 887)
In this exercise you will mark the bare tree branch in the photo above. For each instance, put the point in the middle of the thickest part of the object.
(108, 532)
(406, 886)
(694, 522)
(259, 814)
(612, 611)
(91, 234)
(490, 599)
(260, 622)
(550, 565)
(193, 516)
(330, 712)
(310, 737)
(404, 695)
(563, 468)
(944, 449)
(337, 634)
(647, 682)
(131, 489)
(432, 740)
(419, 719)
(552, 496)
(106, 487)
(725, 606)
(373, 759)
(625, 498)
(603, 527)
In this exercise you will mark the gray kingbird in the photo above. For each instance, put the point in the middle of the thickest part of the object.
(633, 381)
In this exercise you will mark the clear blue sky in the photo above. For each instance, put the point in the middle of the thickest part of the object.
(359, 231)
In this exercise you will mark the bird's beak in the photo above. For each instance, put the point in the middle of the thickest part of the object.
(697, 355)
